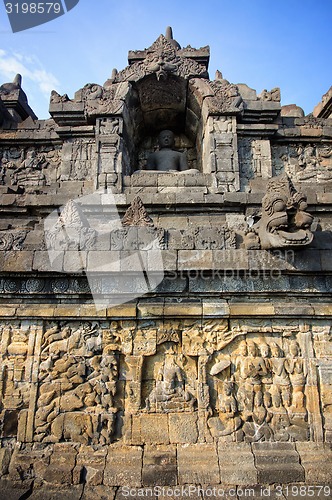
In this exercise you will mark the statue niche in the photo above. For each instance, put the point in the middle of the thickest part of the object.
(166, 159)
(170, 393)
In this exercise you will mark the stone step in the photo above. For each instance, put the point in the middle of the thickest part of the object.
(277, 463)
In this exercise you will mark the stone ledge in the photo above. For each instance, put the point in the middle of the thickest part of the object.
(178, 257)
(152, 309)
(117, 465)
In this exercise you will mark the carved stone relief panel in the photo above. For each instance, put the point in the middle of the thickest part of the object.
(29, 168)
(260, 391)
(77, 385)
(304, 162)
(78, 160)
(18, 341)
(255, 160)
(322, 344)
(173, 381)
(96, 382)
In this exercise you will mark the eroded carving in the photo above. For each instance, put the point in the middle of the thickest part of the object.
(77, 386)
(170, 393)
(261, 393)
(162, 60)
(136, 215)
(284, 221)
(71, 230)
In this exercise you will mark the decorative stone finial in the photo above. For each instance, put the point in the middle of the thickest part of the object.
(18, 80)
(218, 75)
(170, 39)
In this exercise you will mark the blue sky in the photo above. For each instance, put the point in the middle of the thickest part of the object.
(263, 43)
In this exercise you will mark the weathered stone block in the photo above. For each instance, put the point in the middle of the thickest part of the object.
(123, 466)
(298, 310)
(16, 261)
(159, 466)
(127, 310)
(215, 308)
(326, 260)
(144, 179)
(5, 455)
(248, 309)
(236, 462)
(305, 260)
(316, 459)
(62, 463)
(167, 179)
(154, 429)
(183, 428)
(191, 197)
(8, 310)
(90, 465)
(41, 262)
(10, 490)
(229, 259)
(173, 221)
(197, 464)
(149, 309)
(103, 261)
(27, 464)
(277, 463)
(169, 259)
(74, 261)
(183, 308)
(98, 493)
(194, 259)
(45, 492)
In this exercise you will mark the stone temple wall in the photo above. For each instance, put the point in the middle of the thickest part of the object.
(219, 375)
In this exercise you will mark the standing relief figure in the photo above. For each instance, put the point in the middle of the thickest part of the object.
(280, 377)
(228, 420)
(250, 368)
(295, 366)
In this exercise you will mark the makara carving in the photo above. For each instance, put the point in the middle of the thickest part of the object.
(284, 221)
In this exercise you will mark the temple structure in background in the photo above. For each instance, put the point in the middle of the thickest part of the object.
(165, 287)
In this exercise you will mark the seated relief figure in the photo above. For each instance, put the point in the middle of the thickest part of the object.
(167, 159)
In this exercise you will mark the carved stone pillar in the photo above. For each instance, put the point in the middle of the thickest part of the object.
(203, 400)
(133, 383)
(109, 152)
(220, 151)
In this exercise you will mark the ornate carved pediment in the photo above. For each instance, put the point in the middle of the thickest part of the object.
(162, 59)
(227, 98)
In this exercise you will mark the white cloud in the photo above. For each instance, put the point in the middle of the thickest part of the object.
(30, 68)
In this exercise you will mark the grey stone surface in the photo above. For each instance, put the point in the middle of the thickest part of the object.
(237, 464)
(148, 392)
(278, 463)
